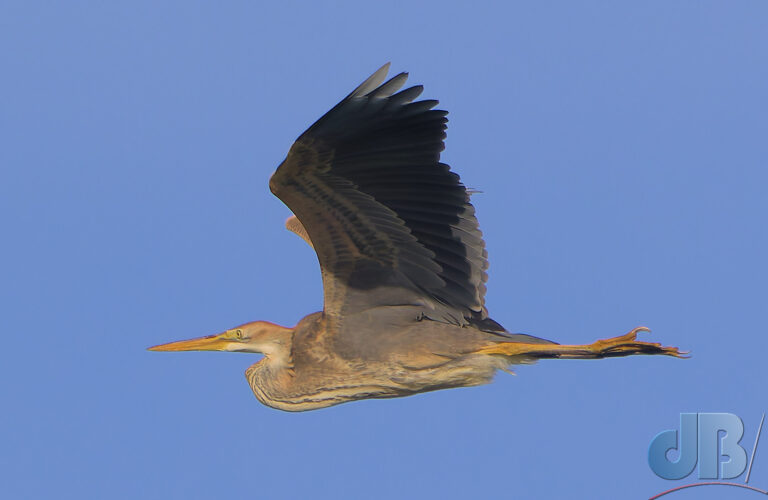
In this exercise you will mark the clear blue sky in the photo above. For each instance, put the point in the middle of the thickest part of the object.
(621, 148)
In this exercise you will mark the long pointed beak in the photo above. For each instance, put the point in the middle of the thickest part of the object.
(208, 343)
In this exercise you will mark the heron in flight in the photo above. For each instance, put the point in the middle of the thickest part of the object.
(403, 264)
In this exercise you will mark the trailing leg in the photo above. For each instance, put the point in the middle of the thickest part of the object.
(625, 345)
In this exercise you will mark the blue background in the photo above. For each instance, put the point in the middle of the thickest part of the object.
(621, 150)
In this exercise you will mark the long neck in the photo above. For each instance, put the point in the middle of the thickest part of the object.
(268, 380)
(273, 374)
(277, 350)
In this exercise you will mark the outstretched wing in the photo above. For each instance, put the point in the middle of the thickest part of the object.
(390, 224)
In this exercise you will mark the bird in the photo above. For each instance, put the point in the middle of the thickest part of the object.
(403, 265)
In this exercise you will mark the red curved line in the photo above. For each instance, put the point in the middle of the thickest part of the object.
(709, 484)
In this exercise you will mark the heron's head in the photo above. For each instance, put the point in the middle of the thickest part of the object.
(259, 337)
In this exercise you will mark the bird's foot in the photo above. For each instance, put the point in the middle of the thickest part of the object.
(624, 345)
(627, 345)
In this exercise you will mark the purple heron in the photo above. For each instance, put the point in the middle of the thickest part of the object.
(403, 264)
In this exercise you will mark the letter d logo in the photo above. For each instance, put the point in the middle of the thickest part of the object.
(668, 440)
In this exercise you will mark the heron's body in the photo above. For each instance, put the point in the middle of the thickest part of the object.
(363, 360)
(403, 265)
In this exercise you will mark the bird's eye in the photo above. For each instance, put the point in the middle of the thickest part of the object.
(239, 333)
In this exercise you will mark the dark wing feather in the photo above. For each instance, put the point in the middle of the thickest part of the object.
(391, 225)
